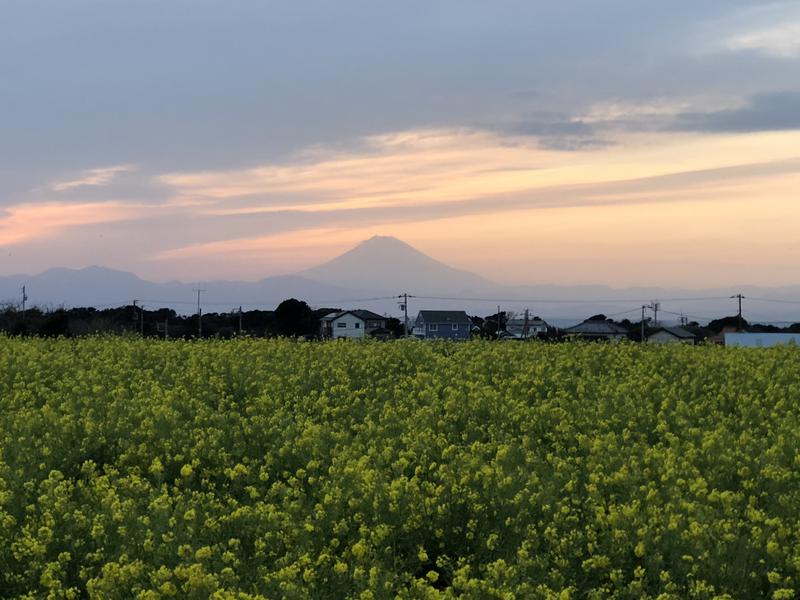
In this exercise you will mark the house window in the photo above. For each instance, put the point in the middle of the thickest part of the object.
(358, 325)
(454, 327)
(341, 324)
(433, 327)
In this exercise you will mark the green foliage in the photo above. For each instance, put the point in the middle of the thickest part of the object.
(278, 469)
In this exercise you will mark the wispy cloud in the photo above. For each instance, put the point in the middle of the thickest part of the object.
(412, 169)
(91, 177)
(311, 242)
(328, 226)
(24, 222)
(781, 41)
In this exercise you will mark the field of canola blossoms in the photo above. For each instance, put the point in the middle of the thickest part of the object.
(276, 469)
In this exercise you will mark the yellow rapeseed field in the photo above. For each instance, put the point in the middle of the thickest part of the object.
(135, 468)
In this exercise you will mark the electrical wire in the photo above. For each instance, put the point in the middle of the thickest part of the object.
(777, 300)
(567, 301)
(625, 312)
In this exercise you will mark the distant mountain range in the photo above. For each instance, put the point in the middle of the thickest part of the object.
(377, 270)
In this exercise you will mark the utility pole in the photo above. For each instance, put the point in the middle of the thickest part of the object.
(655, 306)
(405, 311)
(163, 327)
(24, 300)
(141, 324)
(740, 298)
(644, 306)
(240, 320)
(525, 326)
(498, 320)
(199, 313)
(404, 305)
(135, 314)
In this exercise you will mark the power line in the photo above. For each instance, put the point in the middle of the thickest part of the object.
(623, 312)
(777, 300)
(345, 300)
(568, 301)
(449, 298)
(683, 314)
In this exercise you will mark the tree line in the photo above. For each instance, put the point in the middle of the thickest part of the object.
(291, 318)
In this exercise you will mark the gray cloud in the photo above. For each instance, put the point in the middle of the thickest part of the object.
(777, 111)
(555, 131)
(192, 85)
(205, 84)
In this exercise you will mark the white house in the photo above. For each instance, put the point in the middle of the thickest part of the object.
(351, 324)
(671, 335)
(518, 329)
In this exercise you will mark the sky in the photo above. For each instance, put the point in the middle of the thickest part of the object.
(625, 142)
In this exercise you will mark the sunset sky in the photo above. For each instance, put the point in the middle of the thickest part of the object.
(625, 142)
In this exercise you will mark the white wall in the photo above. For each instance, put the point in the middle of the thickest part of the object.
(761, 340)
(349, 330)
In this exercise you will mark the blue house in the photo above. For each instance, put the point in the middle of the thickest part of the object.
(445, 324)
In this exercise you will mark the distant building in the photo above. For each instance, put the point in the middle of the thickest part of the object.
(447, 324)
(671, 335)
(761, 340)
(352, 324)
(518, 329)
(597, 329)
(719, 338)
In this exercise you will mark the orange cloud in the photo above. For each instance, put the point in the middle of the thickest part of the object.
(29, 221)
(637, 213)
(416, 168)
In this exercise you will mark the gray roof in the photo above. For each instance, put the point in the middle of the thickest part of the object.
(678, 332)
(367, 315)
(364, 315)
(589, 327)
(517, 322)
(443, 316)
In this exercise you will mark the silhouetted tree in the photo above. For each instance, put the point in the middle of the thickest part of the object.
(294, 317)
(395, 325)
(718, 325)
(493, 324)
(55, 324)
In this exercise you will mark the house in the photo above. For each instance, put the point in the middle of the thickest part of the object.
(761, 340)
(719, 338)
(671, 335)
(352, 324)
(597, 329)
(518, 329)
(447, 324)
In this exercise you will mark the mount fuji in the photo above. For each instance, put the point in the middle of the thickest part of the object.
(373, 273)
